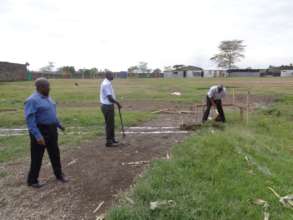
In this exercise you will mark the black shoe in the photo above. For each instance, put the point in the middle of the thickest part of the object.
(62, 179)
(115, 142)
(111, 145)
(36, 185)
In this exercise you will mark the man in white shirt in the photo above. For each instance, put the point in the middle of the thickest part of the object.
(107, 100)
(214, 98)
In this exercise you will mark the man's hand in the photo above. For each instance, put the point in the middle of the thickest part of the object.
(41, 141)
(213, 102)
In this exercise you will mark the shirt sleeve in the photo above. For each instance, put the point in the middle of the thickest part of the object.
(30, 117)
(211, 93)
(107, 90)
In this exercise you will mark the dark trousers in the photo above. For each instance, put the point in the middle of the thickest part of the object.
(109, 116)
(50, 134)
(219, 108)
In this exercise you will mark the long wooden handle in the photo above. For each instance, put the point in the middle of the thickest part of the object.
(121, 121)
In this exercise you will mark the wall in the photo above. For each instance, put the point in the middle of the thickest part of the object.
(215, 73)
(12, 71)
(244, 74)
(285, 73)
(180, 74)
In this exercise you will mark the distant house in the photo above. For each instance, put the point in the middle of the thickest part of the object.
(286, 71)
(184, 72)
(214, 73)
(13, 71)
(121, 74)
(243, 73)
(275, 72)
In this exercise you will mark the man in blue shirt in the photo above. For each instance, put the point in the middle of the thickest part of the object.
(42, 122)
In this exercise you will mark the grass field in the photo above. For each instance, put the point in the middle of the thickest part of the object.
(217, 173)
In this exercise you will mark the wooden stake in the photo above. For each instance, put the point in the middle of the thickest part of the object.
(247, 110)
(241, 114)
(233, 93)
(98, 207)
(196, 113)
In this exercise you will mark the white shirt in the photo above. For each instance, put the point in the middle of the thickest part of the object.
(105, 90)
(215, 94)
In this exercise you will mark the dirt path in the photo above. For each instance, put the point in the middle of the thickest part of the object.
(96, 174)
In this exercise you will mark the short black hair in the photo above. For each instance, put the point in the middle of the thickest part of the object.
(41, 81)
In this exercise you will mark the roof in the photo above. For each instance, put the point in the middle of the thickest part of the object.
(185, 68)
(8, 63)
(242, 70)
(286, 67)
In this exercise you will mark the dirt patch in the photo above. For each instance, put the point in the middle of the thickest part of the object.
(96, 174)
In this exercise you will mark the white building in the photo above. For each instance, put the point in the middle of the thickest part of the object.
(286, 73)
(215, 73)
(184, 72)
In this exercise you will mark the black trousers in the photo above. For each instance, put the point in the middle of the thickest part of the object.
(219, 108)
(109, 116)
(50, 134)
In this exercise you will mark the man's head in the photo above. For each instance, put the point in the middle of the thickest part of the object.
(42, 86)
(109, 75)
(220, 88)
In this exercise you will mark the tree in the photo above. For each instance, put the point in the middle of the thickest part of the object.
(142, 67)
(49, 68)
(68, 70)
(168, 68)
(157, 71)
(133, 69)
(230, 53)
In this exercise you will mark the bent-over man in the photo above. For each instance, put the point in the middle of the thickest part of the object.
(42, 123)
(107, 100)
(214, 98)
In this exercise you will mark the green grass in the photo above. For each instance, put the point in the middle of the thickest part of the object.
(12, 95)
(210, 178)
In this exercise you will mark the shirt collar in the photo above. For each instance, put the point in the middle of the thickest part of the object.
(107, 80)
(41, 96)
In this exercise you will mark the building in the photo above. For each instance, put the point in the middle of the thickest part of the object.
(243, 73)
(13, 71)
(184, 72)
(286, 73)
(286, 70)
(214, 73)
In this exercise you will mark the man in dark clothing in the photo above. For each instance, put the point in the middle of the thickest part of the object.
(42, 122)
(214, 98)
(107, 100)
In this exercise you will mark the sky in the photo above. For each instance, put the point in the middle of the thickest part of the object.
(116, 34)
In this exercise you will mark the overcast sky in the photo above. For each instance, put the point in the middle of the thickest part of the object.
(116, 34)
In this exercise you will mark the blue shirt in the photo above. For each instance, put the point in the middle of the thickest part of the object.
(39, 109)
